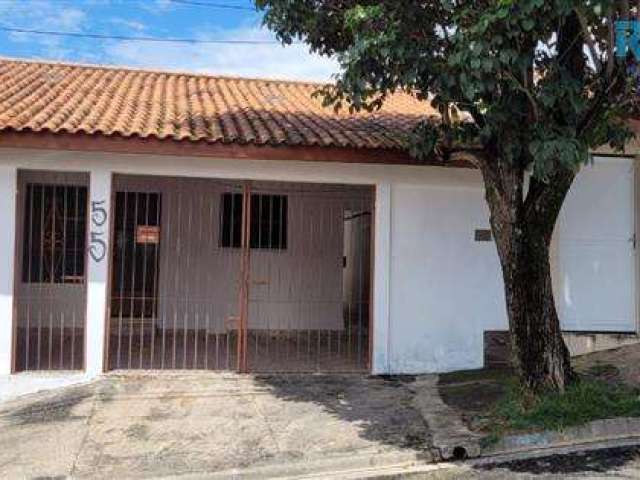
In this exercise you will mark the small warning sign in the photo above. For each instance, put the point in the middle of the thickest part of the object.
(148, 234)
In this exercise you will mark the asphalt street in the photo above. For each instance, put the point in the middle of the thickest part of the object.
(600, 464)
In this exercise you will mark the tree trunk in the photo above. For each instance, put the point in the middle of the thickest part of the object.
(522, 229)
(539, 350)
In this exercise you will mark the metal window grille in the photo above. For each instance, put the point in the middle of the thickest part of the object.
(268, 221)
(54, 233)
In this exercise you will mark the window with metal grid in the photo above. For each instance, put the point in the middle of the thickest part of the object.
(268, 221)
(54, 233)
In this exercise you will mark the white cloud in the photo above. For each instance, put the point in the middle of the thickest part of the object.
(47, 16)
(157, 7)
(264, 60)
(67, 19)
(130, 24)
(43, 13)
(270, 61)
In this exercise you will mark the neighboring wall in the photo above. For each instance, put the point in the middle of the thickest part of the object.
(497, 352)
(594, 262)
(447, 288)
(594, 252)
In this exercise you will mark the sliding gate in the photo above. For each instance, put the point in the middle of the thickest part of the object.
(235, 275)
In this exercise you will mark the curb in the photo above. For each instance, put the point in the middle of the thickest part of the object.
(532, 454)
(450, 437)
(378, 465)
(355, 465)
(419, 471)
(598, 431)
(378, 469)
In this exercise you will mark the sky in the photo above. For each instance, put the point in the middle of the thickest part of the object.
(197, 19)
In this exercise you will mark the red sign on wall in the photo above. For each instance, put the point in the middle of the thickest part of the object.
(148, 234)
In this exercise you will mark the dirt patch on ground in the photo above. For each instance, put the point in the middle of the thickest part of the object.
(474, 393)
(383, 406)
(56, 408)
(615, 365)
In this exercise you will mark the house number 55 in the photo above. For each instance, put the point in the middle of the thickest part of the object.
(97, 245)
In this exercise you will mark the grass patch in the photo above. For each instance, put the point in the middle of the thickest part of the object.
(582, 402)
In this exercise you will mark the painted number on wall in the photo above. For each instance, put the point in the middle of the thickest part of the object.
(97, 244)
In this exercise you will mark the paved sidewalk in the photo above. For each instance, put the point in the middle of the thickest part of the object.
(136, 426)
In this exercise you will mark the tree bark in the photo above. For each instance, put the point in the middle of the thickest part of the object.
(522, 228)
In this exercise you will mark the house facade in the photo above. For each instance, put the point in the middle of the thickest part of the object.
(155, 221)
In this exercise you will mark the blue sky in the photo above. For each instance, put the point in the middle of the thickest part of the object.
(156, 18)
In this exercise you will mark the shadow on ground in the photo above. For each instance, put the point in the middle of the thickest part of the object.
(381, 407)
(150, 426)
(53, 408)
(472, 394)
(600, 461)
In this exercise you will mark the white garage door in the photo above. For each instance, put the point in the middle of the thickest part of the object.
(595, 254)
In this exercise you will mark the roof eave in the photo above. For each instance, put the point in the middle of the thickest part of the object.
(154, 146)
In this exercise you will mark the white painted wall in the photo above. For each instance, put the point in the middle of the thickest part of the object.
(381, 361)
(446, 288)
(97, 269)
(8, 185)
(435, 288)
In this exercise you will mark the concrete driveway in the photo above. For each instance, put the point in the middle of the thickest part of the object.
(136, 426)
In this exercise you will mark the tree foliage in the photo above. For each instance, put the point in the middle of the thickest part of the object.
(500, 71)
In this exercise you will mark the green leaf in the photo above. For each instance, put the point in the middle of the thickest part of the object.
(528, 24)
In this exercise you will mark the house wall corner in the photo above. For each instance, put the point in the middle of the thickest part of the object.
(8, 190)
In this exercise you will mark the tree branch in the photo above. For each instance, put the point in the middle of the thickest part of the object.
(611, 45)
(545, 198)
(476, 157)
(523, 89)
(596, 109)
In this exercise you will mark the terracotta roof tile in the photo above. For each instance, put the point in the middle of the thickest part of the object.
(53, 97)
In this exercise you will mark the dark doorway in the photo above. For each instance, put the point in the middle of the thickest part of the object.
(134, 281)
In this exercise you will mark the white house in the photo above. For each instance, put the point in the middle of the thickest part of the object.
(155, 220)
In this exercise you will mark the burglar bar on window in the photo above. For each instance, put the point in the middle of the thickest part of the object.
(54, 233)
(268, 221)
